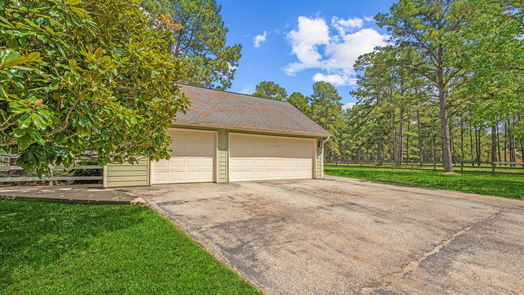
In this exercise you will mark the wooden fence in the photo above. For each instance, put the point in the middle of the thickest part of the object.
(516, 168)
(58, 173)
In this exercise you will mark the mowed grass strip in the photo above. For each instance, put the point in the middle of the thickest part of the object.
(509, 186)
(57, 248)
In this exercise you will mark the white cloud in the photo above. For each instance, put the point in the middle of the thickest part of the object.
(259, 39)
(304, 41)
(343, 54)
(333, 50)
(344, 26)
(335, 79)
(348, 105)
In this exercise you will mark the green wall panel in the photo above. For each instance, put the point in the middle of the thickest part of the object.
(119, 175)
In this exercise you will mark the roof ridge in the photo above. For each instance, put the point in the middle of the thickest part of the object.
(238, 93)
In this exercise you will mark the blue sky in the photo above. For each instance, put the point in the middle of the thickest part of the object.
(300, 42)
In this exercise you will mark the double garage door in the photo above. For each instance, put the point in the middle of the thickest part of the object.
(251, 157)
(254, 157)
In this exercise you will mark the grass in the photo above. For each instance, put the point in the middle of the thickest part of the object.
(509, 186)
(57, 248)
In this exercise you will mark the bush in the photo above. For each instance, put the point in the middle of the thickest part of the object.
(85, 75)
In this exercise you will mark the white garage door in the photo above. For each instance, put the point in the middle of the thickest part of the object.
(192, 158)
(255, 157)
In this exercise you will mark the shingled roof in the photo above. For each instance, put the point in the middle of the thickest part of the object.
(222, 109)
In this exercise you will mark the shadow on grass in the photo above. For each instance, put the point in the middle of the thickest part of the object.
(59, 248)
(35, 234)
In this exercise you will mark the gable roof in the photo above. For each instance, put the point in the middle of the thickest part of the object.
(222, 109)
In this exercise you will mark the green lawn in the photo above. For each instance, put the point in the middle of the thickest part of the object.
(509, 186)
(484, 168)
(57, 248)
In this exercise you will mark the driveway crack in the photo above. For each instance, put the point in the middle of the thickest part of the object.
(414, 264)
(411, 266)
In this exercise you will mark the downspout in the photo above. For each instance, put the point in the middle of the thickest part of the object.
(323, 157)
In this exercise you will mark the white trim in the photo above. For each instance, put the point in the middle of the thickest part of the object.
(276, 132)
(215, 174)
(104, 176)
(277, 136)
(315, 164)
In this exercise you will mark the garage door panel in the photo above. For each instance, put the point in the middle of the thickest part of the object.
(177, 175)
(192, 158)
(270, 157)
(160, 175)
(260, 163)
(176, 162)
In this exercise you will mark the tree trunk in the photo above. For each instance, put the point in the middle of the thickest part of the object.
(461, 144)
(471, 143)
(400, 137)
(393, 138)
(451, 146)
(380, 149)
(512, 145)
(420, 142)
(477, 144)
(493, 144)
(521, 144)
(505, 141)
(444, 126)
(434, 152)
(408, 140)
(498, 143)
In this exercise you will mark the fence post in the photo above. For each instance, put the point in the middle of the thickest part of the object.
(493, 166)
(52, 173)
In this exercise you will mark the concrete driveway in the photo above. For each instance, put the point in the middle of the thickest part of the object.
(347, 236)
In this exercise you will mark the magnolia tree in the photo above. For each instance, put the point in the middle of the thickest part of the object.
(79, 76)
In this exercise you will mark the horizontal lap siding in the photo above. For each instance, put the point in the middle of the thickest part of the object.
(117, 175)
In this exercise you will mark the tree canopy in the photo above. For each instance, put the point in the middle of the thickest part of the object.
(300, 101)
(199, 41)
(85, 77)
(272, 90)
(448, 88)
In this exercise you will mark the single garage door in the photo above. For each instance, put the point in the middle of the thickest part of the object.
(192, 158)
(256, 157)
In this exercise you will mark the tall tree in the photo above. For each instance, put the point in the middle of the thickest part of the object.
(272, 90)
(326, 110)
(425, 26)
(374, 115)
(492, 44)
(301, 102)
(200, 41)
(158, 7)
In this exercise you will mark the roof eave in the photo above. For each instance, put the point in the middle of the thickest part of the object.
(271, 131)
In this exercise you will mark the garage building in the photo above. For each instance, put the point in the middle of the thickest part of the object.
(227, 136)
